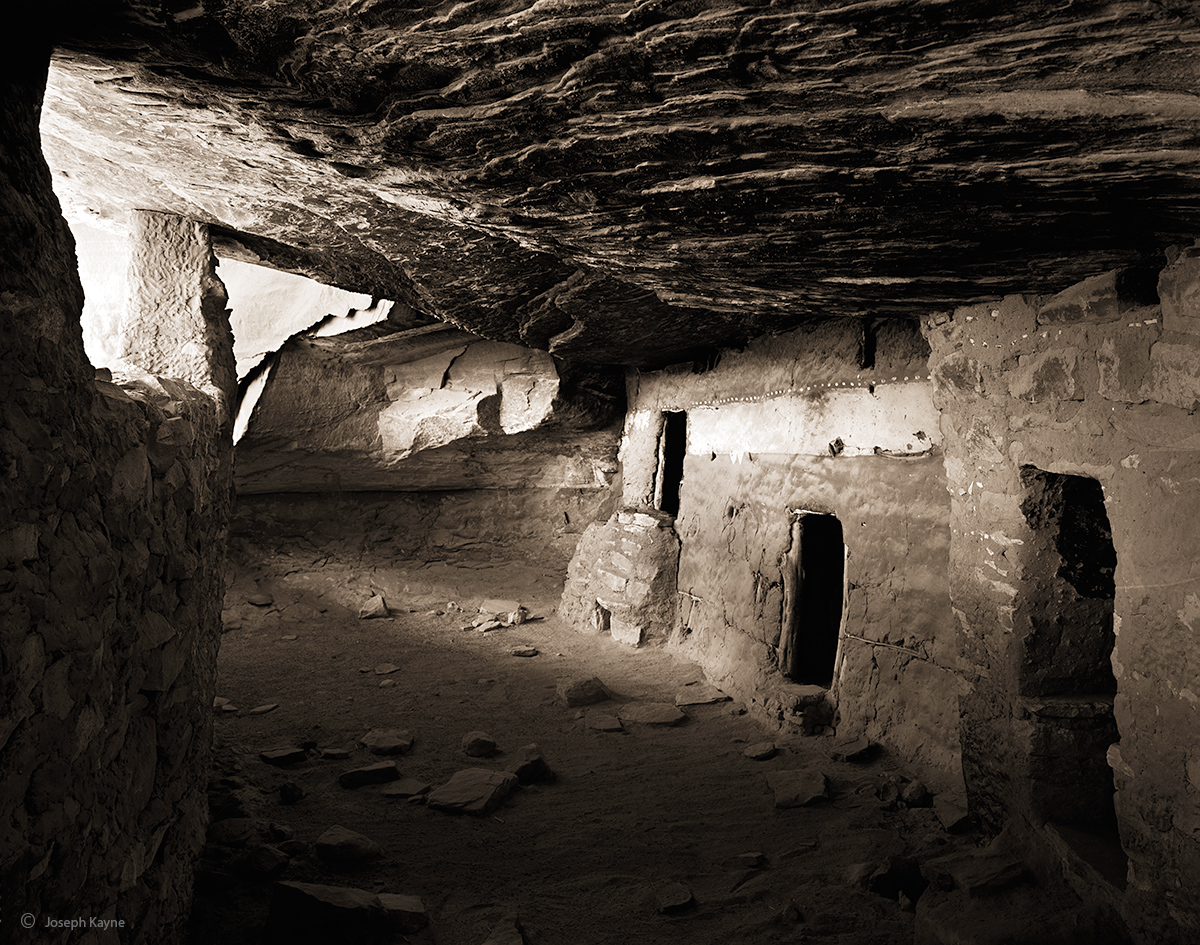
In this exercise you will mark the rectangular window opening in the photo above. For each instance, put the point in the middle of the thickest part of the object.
(672, 447)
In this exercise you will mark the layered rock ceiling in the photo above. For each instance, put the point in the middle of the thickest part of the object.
(629, 182)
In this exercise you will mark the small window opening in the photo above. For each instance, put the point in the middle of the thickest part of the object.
(672, 448)
(813, 617)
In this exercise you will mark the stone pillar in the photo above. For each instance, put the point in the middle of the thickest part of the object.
(176, 323)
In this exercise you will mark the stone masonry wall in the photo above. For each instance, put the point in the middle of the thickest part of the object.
(112, 504)
(800, 422)
(1102, 383)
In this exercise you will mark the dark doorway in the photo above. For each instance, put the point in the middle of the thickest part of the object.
(1066, 671)
(672, 448)
(813, 624)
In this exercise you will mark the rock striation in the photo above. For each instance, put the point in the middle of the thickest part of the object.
(631, 182)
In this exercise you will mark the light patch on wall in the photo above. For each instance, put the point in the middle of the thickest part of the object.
(887, 421)
(1189, 616)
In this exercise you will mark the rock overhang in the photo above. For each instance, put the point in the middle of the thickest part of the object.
(632, 183)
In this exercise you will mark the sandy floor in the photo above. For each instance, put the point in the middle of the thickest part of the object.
(580, 860)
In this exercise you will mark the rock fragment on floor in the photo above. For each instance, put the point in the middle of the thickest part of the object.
(524, 651)
(405, 914)
(478, 744)
(651, 713)
(387, 741)
(700, 694)
(233, 831)
(290, 792)
(952, 813)
(340, 845)
(857, 751)
(760, 751)
(260, 600)
(310, 913)
(335, 754)
(672, 898)
(282, 757)
(407, 787)
(798, 788)
(374, 606)
(508, 932)
(473, 791)
(380, 773)
(577, 692)
(916, 794)
(384, 669)
(530, 767)
(264, 709)
(604, 722)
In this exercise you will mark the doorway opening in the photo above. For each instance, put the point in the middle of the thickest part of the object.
(814, 591)
(1066, 674)
(672, 447)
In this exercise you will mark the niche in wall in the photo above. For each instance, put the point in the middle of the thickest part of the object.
(814, 591)
(672, 447)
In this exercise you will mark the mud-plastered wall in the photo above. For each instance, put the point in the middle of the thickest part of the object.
(1073, 453)
(113, 500)
(834, 420)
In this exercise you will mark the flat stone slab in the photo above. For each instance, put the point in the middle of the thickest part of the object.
(798, 788)
(263, 709)
(260, 600)
(407, 787)
(335, 754)
(340, 845)
(760, 751)
(700, 694)
(858, 751)
(651, 713)
(577, 692)
(387, 741)
(307, 912)
(603, 722)
(473, 791)
(281, 757)
(405, 914)
(384, 669)
(381, 773)
(524, 651)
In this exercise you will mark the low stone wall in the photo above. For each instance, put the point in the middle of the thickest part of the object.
(113, 503)
(622, 578)
(541, 526)
(1101, 384)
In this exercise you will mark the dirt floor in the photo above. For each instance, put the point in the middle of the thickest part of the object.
(579, 861)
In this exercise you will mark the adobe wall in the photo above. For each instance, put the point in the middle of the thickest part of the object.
(1103, 383)
(113, 500)
(796, 422)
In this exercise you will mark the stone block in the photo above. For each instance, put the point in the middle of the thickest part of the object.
(1045, 377)
(1175, 374)
(1179, 293)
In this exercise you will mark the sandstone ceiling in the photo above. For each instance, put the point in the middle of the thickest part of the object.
(630, 182)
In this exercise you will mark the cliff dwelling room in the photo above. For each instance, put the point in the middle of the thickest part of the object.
(600, 472)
